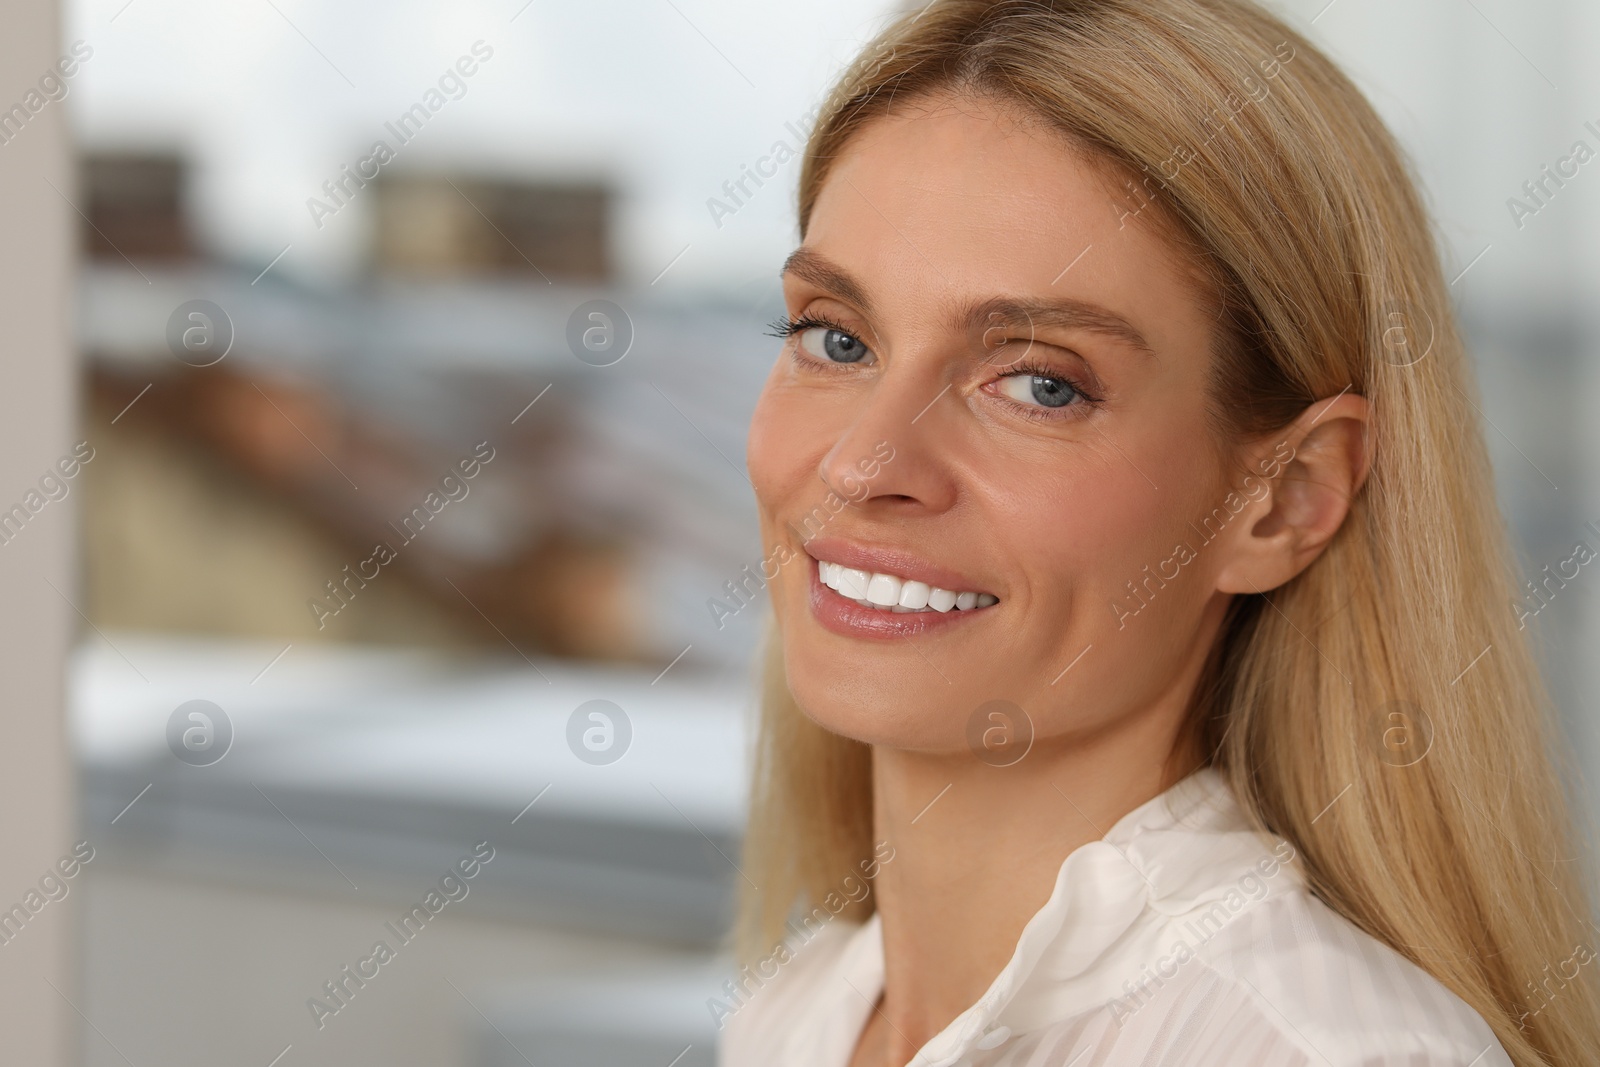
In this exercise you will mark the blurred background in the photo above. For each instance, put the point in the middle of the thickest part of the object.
(381, 491)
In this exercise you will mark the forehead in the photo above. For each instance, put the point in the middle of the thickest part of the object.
(963, 198)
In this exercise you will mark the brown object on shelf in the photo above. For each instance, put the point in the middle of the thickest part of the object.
(573, 597)
(134, 204)
(226, 508)
(434, 225)
(179, 538)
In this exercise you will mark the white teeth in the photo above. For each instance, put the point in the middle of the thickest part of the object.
(914, 594)
(883, 590)
(888, 592)
(853, 582)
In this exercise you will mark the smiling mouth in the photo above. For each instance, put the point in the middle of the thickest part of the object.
(891, 593)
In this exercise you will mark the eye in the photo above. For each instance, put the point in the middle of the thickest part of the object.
(823, 339)
(833, 344)
(1039, 390)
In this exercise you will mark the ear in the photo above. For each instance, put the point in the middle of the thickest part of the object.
(1312, 470)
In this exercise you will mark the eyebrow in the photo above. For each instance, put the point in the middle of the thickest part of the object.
(1060, 313)
(1063, 313)
(810, 265)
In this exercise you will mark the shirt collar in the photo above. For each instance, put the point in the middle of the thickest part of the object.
(1115, 909)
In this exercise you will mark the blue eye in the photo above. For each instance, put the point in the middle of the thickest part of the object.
(1035, 389)
(833, 345)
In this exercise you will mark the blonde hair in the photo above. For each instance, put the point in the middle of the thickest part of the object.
(1307, 225)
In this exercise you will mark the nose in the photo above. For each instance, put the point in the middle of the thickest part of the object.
(897, 453)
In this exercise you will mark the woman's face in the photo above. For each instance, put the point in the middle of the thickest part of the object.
(997, 388)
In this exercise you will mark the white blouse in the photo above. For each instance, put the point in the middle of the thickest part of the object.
(1182, 938)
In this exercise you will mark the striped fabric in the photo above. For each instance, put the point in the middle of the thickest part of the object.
(1182, 939)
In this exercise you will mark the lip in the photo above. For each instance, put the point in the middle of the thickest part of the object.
(849, 619)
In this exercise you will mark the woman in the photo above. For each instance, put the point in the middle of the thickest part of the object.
(1145, 689)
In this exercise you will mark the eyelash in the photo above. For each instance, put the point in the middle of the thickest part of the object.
(785, 327)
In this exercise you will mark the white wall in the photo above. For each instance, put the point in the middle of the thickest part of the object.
(36, 398)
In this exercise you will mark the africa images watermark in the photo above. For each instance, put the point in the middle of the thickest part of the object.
(341, 989)
(752, 977)
(743, 590)
(52, 86)
(763, 169)
(1538, 189)
(342, 189)
(1210, 528)
(1251, 888)
(1542, 592)
(1553, 985)
(450, 488)
(54, 484)
(1232, 104)
(53, 886)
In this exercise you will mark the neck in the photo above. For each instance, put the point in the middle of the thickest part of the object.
(978, 850)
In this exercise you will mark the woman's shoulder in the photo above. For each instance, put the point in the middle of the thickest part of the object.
(1286, 983)
(1306, 973)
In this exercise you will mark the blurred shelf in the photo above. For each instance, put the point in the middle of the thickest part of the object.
(358, 768)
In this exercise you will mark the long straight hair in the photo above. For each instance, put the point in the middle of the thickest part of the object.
(1275, 175)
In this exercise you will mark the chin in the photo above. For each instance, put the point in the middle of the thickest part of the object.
(876, 713)
(888, 694)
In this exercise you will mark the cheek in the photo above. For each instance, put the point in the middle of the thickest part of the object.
(789, 436)
(1111, 527)
(1083, 532)
(1073, 537)
(777, 451)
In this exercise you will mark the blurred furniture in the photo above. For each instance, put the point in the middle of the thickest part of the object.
(134, 207)
(435, 225)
